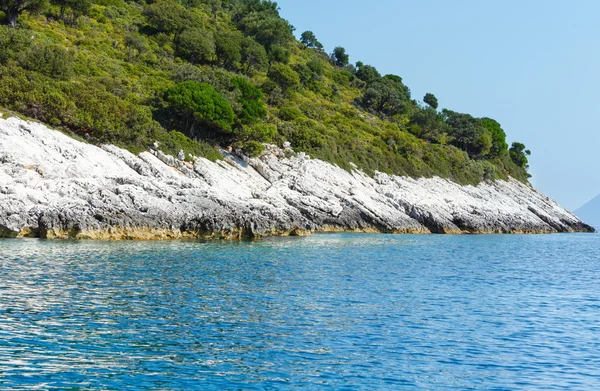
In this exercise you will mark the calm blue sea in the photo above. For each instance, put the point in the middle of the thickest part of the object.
(331, 311)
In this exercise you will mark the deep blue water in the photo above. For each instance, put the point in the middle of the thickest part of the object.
(336, 311)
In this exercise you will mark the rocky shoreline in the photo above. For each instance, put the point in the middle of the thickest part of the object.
(52, 186)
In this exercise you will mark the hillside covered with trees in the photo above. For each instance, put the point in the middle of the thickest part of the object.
(195, 75)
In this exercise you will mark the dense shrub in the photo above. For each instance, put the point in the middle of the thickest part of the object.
(250, 100)
(253, 148)
(196, 46)
(201, 104)
(12, 42)
(284, 76)
(50, 60)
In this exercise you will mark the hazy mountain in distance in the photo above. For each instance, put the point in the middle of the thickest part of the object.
(590, 212)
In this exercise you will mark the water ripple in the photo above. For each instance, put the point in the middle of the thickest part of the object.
(336, 311)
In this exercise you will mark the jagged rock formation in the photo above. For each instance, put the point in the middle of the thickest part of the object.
(56, 187)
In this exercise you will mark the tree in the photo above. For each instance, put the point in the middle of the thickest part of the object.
(309, 40)
(200, 103)
(316, 66)
(254, 56)
(429, 123)
(468, 133)
(518, 154)
(77, 7)
(431, 100)
(267, 29)
(196, 45)
(367, 73)
(387, 96)
(13, 8)
(135, 44)
(169, 16)
(284, 76)
(215, 6)
(279, 53)
(228, 48)
(339, 57)
(250, 98)
(499, 145)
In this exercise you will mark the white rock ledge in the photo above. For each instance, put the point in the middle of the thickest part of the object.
(54, 186)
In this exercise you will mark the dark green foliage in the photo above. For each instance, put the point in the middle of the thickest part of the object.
(187, 72)
(279, 53)
(34, 95)
(367, 73)
(196, 46)
(70, 10)
(387, 96)
(316, 66)
(12, 42)
(310, 74)
(309, 39)
(518, 154)
(284, 76)
(427, 124)
(339, 57)
(468, 133)
(252, 148)
(250, 99)
(168, 16)
(136, 45)
(499, 145)
(260, 20)
(213, 5)
(115, 3)
(201, 104)
(261, 132)
(48, 59)
(290, 113)
(228, 48)
(342, 77)
(110, 118)
(254, 56)
(13, 8)
(431, 100)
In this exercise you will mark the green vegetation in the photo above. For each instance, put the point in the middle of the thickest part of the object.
(195, 75)
(200, 104)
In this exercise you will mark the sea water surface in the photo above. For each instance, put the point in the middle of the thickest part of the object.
(334, 311)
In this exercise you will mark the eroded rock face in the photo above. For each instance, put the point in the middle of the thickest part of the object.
(56, 187)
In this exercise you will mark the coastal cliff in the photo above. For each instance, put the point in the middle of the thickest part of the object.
(53, 186)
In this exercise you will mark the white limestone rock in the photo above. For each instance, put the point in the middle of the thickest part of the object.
(52, 185)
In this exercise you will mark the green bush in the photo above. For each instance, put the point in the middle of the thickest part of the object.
(50, 60)
(253, 148)
(201, 104)
(259, 132)
(13, 41)
(290, 113)
(250, 100)
(196, 46)
(284, 76)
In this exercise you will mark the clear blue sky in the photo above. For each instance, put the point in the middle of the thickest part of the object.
(533, 65)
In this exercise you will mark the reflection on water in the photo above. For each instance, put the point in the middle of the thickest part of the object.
(348, 311)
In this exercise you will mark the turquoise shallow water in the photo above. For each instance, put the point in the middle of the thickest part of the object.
(336, 311)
